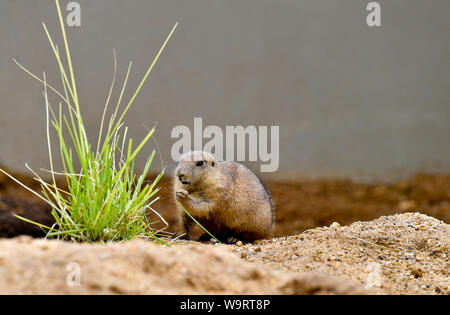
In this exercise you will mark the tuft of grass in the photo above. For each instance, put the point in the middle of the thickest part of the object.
(104, 201)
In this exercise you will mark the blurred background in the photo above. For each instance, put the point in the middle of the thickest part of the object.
(368, 103)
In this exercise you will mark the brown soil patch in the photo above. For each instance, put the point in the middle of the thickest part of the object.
(305, 205)
(10, 226)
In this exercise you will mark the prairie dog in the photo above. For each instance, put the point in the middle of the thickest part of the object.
(226, 198)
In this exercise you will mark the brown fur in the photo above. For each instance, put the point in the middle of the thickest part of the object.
(226, 198)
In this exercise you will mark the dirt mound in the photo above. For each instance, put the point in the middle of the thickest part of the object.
(400, 254)
(31, 266)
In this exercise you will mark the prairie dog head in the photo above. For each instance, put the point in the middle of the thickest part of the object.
(195, 170)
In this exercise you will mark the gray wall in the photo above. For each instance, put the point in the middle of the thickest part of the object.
(350, 100)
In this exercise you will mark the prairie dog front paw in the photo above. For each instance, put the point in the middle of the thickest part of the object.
(181, 194)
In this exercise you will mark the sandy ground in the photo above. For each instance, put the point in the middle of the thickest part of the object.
(37, 266)
(399, 254)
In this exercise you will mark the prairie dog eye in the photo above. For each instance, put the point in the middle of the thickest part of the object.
(213, 164)
(199, 163)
